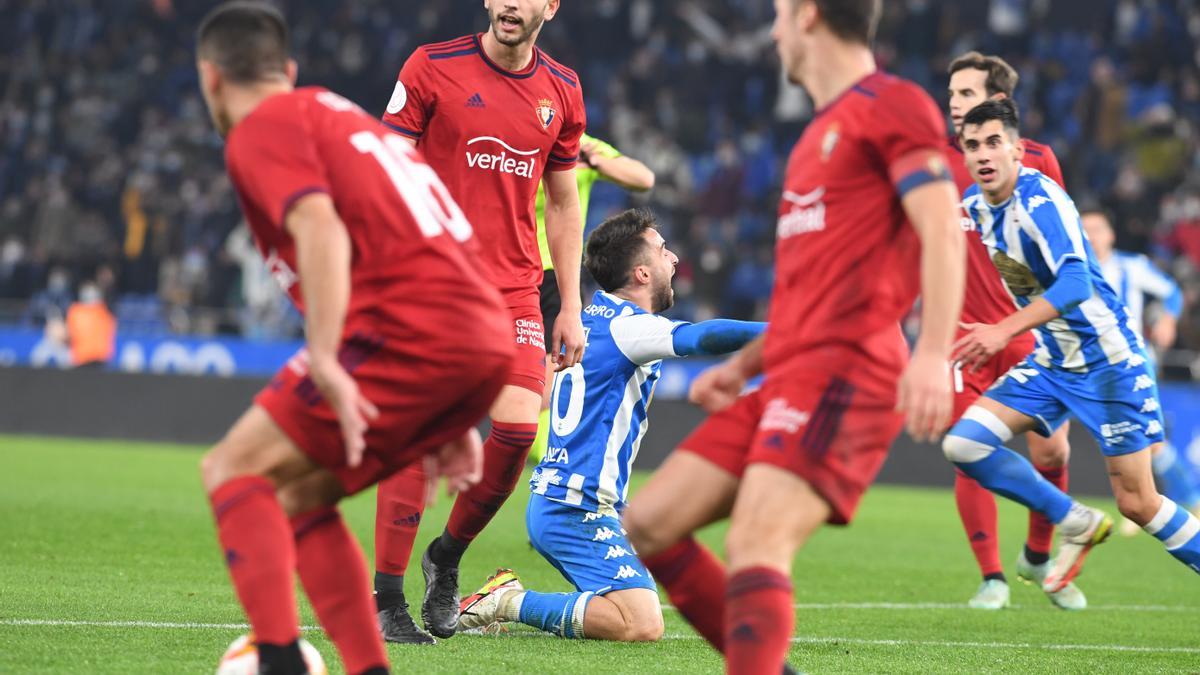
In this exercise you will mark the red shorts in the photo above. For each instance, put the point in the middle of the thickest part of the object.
(424, 401)
(815, 426)
(529, 367)
(969, 386)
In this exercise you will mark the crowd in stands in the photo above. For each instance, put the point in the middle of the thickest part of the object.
(110, 172)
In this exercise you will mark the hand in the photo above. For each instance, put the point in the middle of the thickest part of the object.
(353, 410)
(925, 396)
(460, 461)
(589, 153)
(718, 387)
(1162, 334)
(568, 344)
(979, 345)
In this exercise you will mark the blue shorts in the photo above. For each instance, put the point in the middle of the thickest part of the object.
(589, 549)
(1119, 403)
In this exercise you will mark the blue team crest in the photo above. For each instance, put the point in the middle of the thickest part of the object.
(545, 112)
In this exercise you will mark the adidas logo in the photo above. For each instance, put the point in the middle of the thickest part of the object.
(979, 536)
(476, 101)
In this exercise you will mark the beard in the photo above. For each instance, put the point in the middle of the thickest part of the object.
(530, 29)
(663, 297)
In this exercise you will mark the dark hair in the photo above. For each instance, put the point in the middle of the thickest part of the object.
(616, 246)
(1001, 77)
(853, 20)
(247, 40)
(1002, 109)
(1089, 205)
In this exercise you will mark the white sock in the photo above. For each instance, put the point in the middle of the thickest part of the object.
(510, 606)
(1077, 520)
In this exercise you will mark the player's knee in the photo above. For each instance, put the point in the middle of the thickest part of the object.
(962, 450)
(640, 531)
(213, 469)
(1140, 507)
(1050, 452)
(645, 629)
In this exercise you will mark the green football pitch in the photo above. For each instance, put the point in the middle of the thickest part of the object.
(108, 564)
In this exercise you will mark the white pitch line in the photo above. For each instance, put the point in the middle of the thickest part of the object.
(963, 605)
(132, 624)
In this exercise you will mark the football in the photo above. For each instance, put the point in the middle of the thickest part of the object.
(242, 658)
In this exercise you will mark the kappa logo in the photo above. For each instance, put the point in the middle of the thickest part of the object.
(604, 534)
(1154, 428)
(1135, 360)
(1150, 405)
(626, 572)
(589, 517)
(522, 164)
(1036, 201)
(617, 551)
(1143, 382)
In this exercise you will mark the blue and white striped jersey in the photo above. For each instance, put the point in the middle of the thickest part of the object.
(1134, 276)
(598, 407)
(1029, 237)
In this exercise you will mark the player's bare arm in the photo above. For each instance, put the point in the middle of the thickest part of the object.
(986, 340)
(565, 238)
(718, 387)
(323, 258)
(925, 392)
(626, 172)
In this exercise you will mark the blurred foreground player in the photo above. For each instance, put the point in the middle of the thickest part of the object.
(1088, 362)
(387, 377)
(975, 78)
(494, 116)
(868, 217)
(600, 415)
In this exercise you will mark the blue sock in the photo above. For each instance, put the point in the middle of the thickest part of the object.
(1174, 476)
(1179, 531)
(558, 613)
(976, 448)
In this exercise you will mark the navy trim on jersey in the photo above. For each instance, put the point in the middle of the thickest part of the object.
(1035, 153)
(557, 73)
(297, 196)
(562, 160)
(450, 55)
(857, 87)
(864, 91)
(537, 62)
(918, 178)
(399, 129)
(450, 44)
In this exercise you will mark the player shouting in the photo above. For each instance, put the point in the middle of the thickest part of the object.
(867, 194)
(493, 115)
(334, 199)
(975, 78)
(1088, 362)
(600, 416)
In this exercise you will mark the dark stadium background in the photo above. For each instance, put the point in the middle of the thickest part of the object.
(110, 172)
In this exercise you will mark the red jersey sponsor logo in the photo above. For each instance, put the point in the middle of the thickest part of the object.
(779, 415)
(806, 214)
(522, 163)
(280, 271)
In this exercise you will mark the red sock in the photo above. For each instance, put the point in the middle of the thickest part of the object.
(977, 508)
(695, 582)
(504, 454)
(333, 571)
(399, 503)
(1041, 530)
(758, 621)
(259, 552)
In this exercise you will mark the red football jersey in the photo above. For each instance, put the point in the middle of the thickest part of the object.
(846, 257)
(490, 134)
(985, 299)
(410, 277)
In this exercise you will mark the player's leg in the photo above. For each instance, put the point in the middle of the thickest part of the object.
(1137, 498)
(775, 513)
(399, 505)
(975, 444)
(1176, 477)
(514, 425)
(694, 487)
(1049, 457)
(551, 305)
(242, 474)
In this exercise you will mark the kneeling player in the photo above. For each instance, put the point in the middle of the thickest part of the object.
(388, 376)
(1088, 362)
(599, 417)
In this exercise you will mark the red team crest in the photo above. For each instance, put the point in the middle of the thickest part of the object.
(545, 112)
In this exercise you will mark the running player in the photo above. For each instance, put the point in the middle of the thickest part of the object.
(334, 199)
(975, 78)
(597, 160)
(494, 116)
(1134, 277)
(867, 194)
(600, 416)
(1088, 362)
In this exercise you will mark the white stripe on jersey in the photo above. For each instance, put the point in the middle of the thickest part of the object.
(610, 473)
(1112, 341)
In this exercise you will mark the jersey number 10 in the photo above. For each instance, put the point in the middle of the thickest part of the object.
(421, 190)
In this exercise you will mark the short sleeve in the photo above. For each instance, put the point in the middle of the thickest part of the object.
(273, 160)
(411, 104)
(1050, 219)
(910, 137)
(644, 338)
(565, 152)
